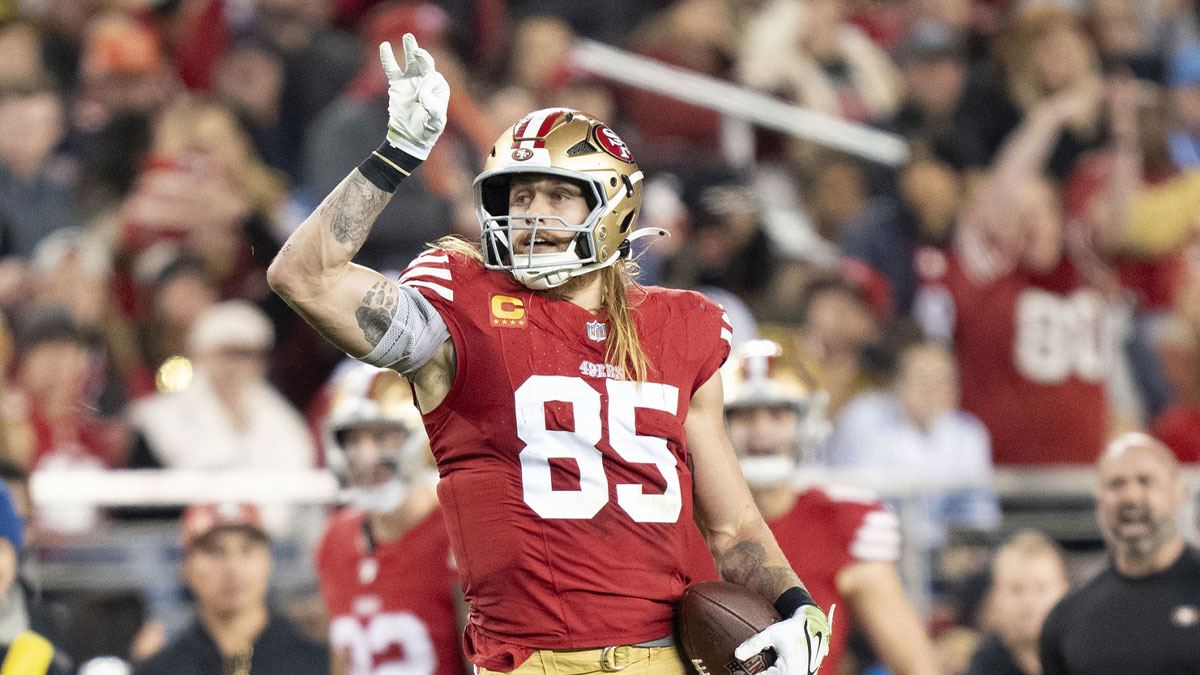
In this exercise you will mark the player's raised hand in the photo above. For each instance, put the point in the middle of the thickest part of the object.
(417, 98)
(800, 642)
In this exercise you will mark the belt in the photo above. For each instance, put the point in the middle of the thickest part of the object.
(608, 655)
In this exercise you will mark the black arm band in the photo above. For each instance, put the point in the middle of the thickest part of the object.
(387, 166)
(793, 599)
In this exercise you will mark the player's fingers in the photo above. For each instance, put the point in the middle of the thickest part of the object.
(752, 646)
(388, 58)
(417, 61)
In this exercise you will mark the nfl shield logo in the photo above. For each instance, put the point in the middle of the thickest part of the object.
(597, 331)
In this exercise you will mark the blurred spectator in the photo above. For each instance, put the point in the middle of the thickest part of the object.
(1018, 284)
(1028, 578)
(20, 53)
(727, 245)
(697, 35)
(1045, 53)
(892, 230)
(937, 113)
(805, 51)
(180, 290)
(250, 80)
(72, 270)
(1179, 425)
(58, 377)
(227, 566)
(204, 184)
(541, 48)
(25, 629)
(916, 433)
(122, 72)
(1184, 80)
(1154, 573)
(217, 411)
(1125, 37)
(836, 323)
(35, 183)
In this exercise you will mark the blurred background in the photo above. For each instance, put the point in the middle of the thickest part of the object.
(985, 207)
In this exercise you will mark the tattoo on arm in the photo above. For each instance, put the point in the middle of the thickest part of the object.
(745, 563)
(353, 209)
(377, 310)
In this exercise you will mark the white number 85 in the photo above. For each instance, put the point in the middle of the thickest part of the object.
(542, 445)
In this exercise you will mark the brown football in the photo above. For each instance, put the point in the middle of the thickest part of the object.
(717, 616)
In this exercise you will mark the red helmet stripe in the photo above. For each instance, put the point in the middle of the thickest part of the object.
(547, 125)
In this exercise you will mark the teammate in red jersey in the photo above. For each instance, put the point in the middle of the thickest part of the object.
(574, 415)
(776, 424)
(384, 563)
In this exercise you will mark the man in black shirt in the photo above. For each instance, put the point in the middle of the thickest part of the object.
(1141, 616)
(227, 564)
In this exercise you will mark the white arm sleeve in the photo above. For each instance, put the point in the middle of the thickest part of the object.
(416, 332)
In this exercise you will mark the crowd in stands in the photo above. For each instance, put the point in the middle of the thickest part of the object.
(1022, 288)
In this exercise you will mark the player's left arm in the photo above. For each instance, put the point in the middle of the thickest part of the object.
(742, 545)
(872, 587)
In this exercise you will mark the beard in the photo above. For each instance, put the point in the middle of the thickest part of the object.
(1158, 531)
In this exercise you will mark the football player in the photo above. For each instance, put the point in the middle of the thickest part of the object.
(575, 416)
(776, 424)
(384, 563)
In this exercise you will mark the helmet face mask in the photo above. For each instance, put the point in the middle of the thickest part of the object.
(373, 437)
(565, 144)
(777, 422)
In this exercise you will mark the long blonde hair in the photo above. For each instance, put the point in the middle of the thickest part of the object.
(617, 284)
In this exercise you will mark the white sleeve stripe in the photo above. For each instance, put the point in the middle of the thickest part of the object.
(439, 272)
(430, 257)
(436, 288)
(725, 320)
(864, 552)
(726, 335)
(881, 519)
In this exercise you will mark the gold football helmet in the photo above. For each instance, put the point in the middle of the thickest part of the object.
(752, 380)
(569, 144)
(363, 397)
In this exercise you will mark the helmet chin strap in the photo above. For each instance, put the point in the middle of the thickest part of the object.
(541, 280)
(766, 472)
(381, 498)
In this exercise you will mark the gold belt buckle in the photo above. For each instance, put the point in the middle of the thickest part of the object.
(608, 659)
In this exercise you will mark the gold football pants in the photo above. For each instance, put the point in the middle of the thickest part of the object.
(626, 660)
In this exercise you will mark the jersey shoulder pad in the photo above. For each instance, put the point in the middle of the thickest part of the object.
(437, 273)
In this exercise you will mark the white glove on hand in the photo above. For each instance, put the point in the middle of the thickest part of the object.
(417, 99)
(800, 642)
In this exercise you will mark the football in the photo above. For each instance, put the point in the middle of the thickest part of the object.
(717, 616)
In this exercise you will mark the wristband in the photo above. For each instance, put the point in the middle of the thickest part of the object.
(793, 599)
(387, 166)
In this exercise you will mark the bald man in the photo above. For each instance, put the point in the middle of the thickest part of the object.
(1141, 615)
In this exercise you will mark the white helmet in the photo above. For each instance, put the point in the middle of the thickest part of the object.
(363, 396)
(752, 379)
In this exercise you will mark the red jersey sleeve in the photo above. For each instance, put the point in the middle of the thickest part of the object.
(709, 337)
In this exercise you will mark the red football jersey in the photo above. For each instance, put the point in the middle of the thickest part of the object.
(565, 487)
(1033, 352)
(394, 610)
(826, 530)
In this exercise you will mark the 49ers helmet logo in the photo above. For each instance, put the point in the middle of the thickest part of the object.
(612, 144)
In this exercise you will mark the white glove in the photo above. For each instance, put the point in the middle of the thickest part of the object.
(800, 642)
(417, 99)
